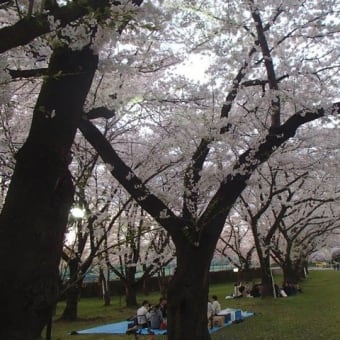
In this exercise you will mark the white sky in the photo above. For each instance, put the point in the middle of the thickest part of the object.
(194, 67)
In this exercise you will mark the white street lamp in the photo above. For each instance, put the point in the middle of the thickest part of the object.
(77, 212)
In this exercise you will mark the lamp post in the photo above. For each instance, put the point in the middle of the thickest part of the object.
(236, 270)
(77, 213)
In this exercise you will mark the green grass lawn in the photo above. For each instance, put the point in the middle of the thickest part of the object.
(312, 315)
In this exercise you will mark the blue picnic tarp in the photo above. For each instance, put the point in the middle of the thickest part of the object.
(122, 326)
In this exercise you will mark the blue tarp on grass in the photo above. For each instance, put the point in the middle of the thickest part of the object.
(115, 328)
(121, 327)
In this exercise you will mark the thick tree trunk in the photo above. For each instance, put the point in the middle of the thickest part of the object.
(188, 295)
(34, 217)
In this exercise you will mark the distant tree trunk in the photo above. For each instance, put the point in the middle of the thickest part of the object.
(130, 286)
(288, 271)
(246, 271)
(240, 275)
(105, 287)
(35, 214)
(163, 282)
(266, 277)
(293, 271)
(146, 286)
(73, 288)
(130, 295)
(300, 269)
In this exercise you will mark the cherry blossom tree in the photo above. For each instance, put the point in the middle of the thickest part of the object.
(336, 255)
(273, 70)
(112, 225)
(258, 203)
(237, 244)
(264, 88)
(141, 249)
(309, 219)
(290, 215)
(35, 213)
(40, 194)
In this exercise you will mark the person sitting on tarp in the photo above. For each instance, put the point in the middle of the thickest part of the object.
(243, 290)
(155, 317)
(143, 317)
(237, 290)
(216, 307)
(142, 314)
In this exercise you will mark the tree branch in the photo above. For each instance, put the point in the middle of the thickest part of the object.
(192, 173)
(38, 72)
(260, 82)
(128, 179)
(235, 182)
(268, 62)
(29, 28)
(100, 112)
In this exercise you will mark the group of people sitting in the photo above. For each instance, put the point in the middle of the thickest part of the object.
(149, 317)
(155, 316)
(243, 290)
(214, 308)
(152, 316)
(289, 288)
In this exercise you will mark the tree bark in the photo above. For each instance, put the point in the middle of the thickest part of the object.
(130, 286)
(188, 295)
(35, 214)
(293, 271)
(130, 295)
(105, 287)
(163, 282)
(266, 277)
(70, 312)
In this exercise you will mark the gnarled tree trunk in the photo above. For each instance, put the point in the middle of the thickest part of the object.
(34, 217)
